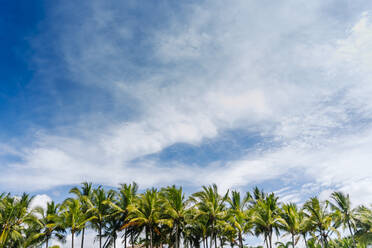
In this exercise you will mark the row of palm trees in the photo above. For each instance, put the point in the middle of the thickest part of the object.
(167, 218)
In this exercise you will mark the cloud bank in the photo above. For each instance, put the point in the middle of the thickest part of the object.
(295, 74)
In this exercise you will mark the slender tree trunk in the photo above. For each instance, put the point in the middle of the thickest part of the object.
(100, 235)
(352, 234)
(270, 240)
(132, 238)
(177, 237)
(212, 234)
(147, 237)
(325, 241)
(82, 238)
(293, 240)
(240, 239)
(115, 242)
(266, 242)
(125, 238)
(46, 242)
(304, 235)
(151, 245)
(72, 239)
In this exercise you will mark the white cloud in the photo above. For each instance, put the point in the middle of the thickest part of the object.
(266, 69)
(40, 201)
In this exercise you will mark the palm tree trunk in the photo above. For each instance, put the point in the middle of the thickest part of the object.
(115, 242)
(47, 239)
(100, 235)
(147, 237)
(151, 245)
(351, 234)
(177, 237)
(293, 240)
(325, 241)
(212, 234)
(240, 239)
(132, 238)
(266, 242)
(270, 240)
(72, 239)
(304, 235)
(125, 238)
(82, 238)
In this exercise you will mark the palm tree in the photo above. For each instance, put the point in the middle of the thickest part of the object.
(113, 225)
(291, 221)
(83, 194)
(266, 218)
(126, 196)
(31, 237)
(196, 229)
(118, 217)
(175, 209)
(319, 218)
(51, 221)
(73, 217)
(15, 217)
(211, 205)
(305, 226)
(258, 194)
(99, 208)
(240, 216)
(364, 225)
(344, 212)
(225, 229)
(230, 234)
(146, 212)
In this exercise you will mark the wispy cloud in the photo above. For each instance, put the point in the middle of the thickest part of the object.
(291, 73)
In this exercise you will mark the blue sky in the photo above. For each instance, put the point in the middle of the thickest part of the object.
(244, 93)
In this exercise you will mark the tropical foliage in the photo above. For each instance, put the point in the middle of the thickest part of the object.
(166, 217)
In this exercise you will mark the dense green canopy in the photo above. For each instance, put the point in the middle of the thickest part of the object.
(167, 218)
